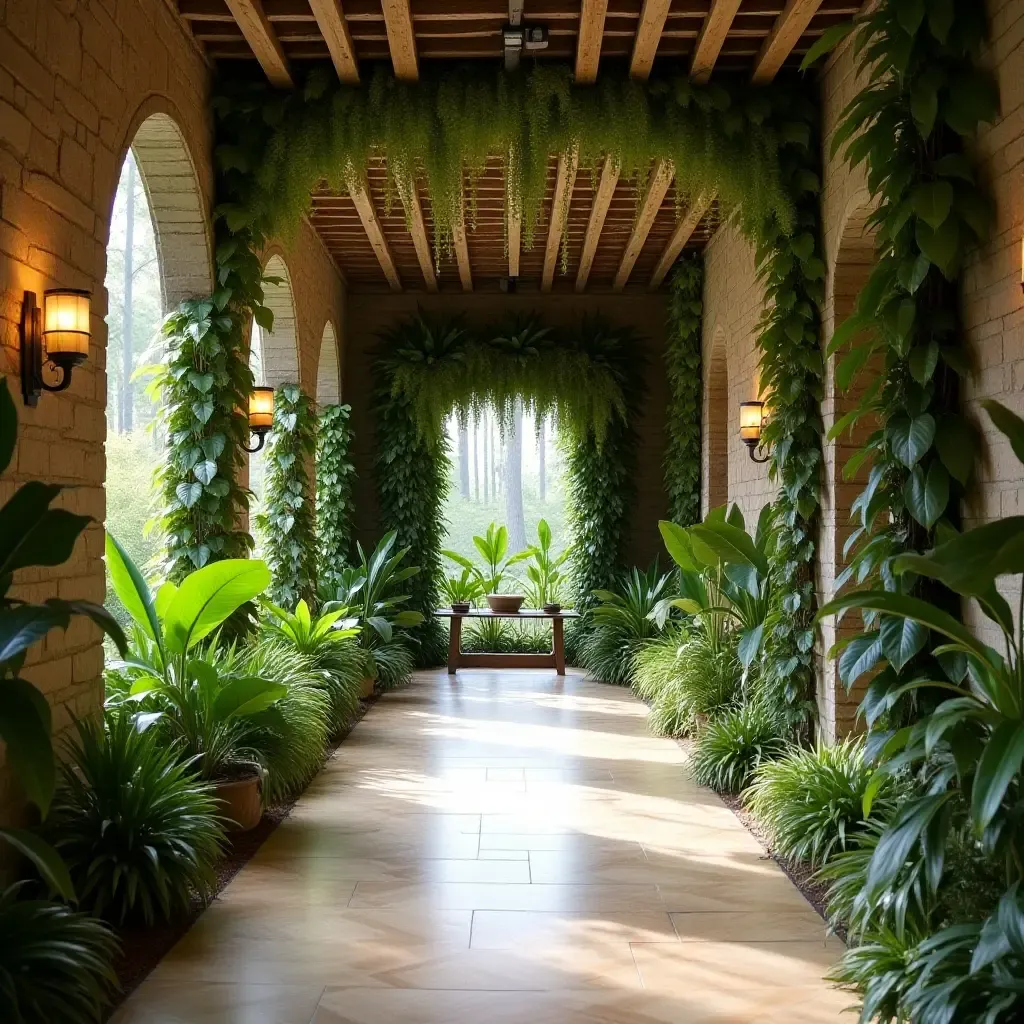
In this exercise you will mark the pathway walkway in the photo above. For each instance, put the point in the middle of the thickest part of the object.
(502, 849)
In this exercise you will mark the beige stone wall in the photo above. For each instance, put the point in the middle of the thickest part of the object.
(369, 314)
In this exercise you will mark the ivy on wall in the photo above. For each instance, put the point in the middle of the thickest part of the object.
(334, 479)
(683, 367)
(288, 521)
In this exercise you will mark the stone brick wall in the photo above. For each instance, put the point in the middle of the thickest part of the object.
(368, 315)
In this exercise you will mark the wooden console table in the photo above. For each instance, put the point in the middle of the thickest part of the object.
(458, 659)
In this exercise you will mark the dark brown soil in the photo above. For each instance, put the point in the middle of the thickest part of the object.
(143, 947)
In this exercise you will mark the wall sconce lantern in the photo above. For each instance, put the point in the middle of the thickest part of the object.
(752, 419)
(261, 416)
(56, 335)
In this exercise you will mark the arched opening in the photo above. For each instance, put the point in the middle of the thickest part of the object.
(716, 426)
(328, 370)
(158, 254)
(854, 259)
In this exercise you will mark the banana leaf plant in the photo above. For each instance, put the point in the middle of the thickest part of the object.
(725, 577)
(175, 679)
(968, 751)
(33, 533)
(493, 548)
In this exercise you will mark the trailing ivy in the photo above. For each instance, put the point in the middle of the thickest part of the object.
(275, 147)
(288, 522)
(683, 367)
(334, 477)
(792, 273)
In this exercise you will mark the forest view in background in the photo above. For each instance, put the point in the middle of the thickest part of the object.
(514, 481)
(134, 301)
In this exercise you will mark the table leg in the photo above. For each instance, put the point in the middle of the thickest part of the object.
(454, 643)
(558, 645)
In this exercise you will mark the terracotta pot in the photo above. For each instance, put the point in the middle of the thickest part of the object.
(241, 799)
(552, 609)
(462, 607)
(366, 687)
(505, 602)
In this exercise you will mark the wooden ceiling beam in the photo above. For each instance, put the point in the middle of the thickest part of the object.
(789, 26)
(598, 211)
(331, 20)
(565, 178)
(252, 20)
(648, 36)
(712, 37)
(461, 244)
(588, 41)
(657, 189)
(371, 225)
(684, 229)
(401, 39)
(420, 241)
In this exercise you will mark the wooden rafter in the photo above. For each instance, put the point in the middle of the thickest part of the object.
(588, 41)
(789, 26)
(648, 36)
(564, 181)
(712, 36)
(252, 20)
(680, 237)
(371, 224)
(331, 20)
(420, 241)
(598, 212)
(401, 39)
(462, 253)
(657, 189)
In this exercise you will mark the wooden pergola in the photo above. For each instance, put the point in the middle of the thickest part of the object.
(610, 244)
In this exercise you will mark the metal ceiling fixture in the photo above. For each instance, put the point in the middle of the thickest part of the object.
(519, 37)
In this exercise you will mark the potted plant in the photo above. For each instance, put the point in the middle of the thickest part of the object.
(493, 548)
(207, 714)
(462, 591)
(545, 578)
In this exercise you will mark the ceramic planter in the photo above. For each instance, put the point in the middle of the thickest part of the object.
(366, 687)
(462, 607)
(553, 609)
(505, 603)
(241, 798)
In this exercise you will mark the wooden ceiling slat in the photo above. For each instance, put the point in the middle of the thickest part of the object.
(250, 18)
(588, 44)
(648, 36)
(401, 39)
(371, 224)
(595, 223)
(418, 230)
(661, 178)
(565, 178)
(712, 36)
(515, 241)
(693, 216)
(785, 34)
(331, 20)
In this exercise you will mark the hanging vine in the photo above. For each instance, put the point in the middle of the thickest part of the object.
(683, 368)
(334, 478)
(288, 522)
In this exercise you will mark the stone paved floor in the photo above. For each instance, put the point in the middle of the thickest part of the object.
(505, 848)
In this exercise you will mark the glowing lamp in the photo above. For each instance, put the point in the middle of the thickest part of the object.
(751, 423)
(56, 335)
(261, 415)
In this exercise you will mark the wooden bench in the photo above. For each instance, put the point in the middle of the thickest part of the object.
(457, 658)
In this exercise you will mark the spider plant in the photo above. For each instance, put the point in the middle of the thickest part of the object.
(732, 747)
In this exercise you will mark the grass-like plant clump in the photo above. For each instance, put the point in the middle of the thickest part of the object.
(733, 746)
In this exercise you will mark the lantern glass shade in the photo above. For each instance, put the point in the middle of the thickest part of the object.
(751, 418)
(66, 325)
(261, 409)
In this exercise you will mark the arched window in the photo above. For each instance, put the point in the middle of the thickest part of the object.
(328, 371)
(279, 348)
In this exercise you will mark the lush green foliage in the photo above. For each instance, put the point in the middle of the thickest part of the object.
(732, 747)
(34, 534)
(683, 368)
(811, 802)
(492, 547)
(139, 833)
(275, 146)
(54, 964)
(288, 522)
(334, 503)
(545, 579)
(620, 623)
(466, 588)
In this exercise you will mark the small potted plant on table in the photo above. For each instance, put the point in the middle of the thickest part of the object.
(461, 592)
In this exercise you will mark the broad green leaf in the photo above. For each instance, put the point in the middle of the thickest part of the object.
(910, 438)
(132, 589)
(940, 245)
(48, 862)
(826, 43)
(679, 546)
(730, 544)
(927, 495)
(247, 695)
(750, 644)
(933, 201)
(956, 444)
(1000, 763)
(860, 655)
(21, 626)
(32, 533)
(25, 728)
(901, 639)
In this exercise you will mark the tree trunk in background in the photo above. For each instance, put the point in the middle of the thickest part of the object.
(476, 458)
(125, 403)
(542, 482)
(513, 483)
(464, 459)
(485, 434)
(496, 459)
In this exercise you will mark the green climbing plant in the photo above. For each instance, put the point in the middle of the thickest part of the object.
(288, 523)
(334, 478)
(683, 367)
